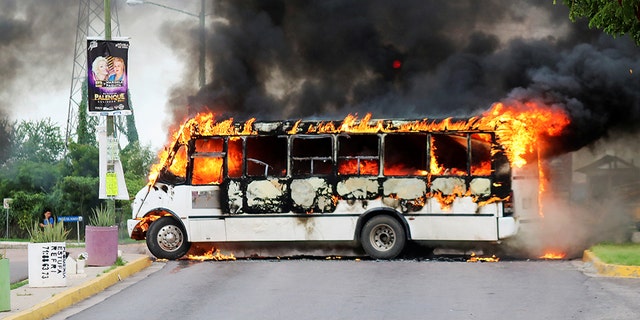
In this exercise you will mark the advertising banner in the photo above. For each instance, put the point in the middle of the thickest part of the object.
(107, 77)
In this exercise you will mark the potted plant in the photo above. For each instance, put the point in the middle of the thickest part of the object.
(101, 237)
(46, 254)
(5, 285)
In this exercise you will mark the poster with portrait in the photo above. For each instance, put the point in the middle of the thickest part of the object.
(107, 77)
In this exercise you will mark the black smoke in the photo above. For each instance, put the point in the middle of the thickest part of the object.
(326, 59)
(36, 54)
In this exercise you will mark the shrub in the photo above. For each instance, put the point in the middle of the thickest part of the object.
(103, 216)
(48, 233)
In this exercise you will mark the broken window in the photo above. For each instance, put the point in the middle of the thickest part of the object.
(311, 155)
(449, 154)
(234, 157)
(405, 154)
(358, 154)
(481, 154)
(208, 157)
(176, 171)
(266, 156)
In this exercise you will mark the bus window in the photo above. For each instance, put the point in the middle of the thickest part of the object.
(405, 154)
(311, 155)
(481, 154)
(234, 157)
(358, 154)
(266, 156)
(449, 154)
(176, 171)
(208, 157)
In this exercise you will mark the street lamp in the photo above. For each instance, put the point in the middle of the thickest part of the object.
(200, 16)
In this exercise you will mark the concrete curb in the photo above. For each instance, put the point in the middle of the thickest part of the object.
(13, 245)
(74, 295)
(610, 270)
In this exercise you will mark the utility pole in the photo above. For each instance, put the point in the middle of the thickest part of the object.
(111, 203)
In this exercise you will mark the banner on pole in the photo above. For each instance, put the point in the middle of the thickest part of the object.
(107, 77)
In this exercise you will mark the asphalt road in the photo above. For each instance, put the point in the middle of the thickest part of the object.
(352, 289)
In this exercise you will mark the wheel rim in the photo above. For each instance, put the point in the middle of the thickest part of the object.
(170, 238)
(382, 237)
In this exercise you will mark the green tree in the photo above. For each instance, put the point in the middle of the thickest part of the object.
(26, 209)
(38, 141)
(76, 195)
(86, 130)
(34, 176)
(137, 159)
(5, 139)
(82, 160)
(613, 17)
(32, 166)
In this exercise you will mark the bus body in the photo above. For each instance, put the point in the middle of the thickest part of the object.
(380, 186)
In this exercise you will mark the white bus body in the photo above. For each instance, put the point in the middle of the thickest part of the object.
(378, 210)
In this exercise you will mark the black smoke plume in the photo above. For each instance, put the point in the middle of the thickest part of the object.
(407, 59)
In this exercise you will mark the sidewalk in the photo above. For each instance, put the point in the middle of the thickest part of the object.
(41, 303)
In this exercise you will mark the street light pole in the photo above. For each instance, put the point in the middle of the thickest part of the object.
(202, 44)
(111, 204)
(107, 36)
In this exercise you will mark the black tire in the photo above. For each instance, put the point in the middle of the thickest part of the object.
(167, 239)
(383, 237)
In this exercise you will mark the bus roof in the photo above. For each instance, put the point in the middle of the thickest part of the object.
(348, 125)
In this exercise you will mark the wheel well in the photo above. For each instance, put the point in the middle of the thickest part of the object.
(379, 212)
(140, 231)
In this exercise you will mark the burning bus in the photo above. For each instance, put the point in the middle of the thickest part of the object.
(376, 183)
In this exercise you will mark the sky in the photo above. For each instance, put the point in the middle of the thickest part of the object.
(37, 58)
(326, 59)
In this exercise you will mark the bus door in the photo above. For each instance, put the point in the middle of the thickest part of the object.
(526, 185)
(205, 223)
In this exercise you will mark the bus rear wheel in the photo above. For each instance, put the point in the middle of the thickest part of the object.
(383, 237)
(167, 239)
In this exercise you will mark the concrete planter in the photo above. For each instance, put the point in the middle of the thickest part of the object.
(5, 286)
(47, 264)
(102, 245)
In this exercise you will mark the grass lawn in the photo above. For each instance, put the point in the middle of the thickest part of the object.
(627, 254)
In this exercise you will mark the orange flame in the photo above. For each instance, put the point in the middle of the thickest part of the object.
(553, 255)
(446, 200)
(518, 128)
(201, 124)
(353, 166)
(475, 258)
(212, 254)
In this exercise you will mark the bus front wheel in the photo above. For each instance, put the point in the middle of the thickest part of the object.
(167, 239)
(383, 237)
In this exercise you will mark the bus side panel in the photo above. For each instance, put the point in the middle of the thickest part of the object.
(450, 227)
(206, 230)
(288, 228)
(199, 209)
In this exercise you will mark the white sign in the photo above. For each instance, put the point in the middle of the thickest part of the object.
(47, 264)
(7, 203)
